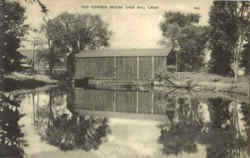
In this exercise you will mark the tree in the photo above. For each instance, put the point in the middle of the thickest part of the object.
(246, 57)
(242, 18)
(12, 30)
(75, 32)
(49, 58)
(193, 43)
(229, 22)
(246, 52)
(188, 39)
(12, 139)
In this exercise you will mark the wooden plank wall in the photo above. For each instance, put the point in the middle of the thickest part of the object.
(126, 68)
(119, 68)
(95, 67)
(160, 63)
(145, 68)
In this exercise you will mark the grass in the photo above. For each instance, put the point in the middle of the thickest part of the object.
(212, 82)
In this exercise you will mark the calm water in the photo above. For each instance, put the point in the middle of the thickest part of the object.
(120, 124)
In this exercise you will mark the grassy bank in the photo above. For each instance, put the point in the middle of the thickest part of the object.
(212, 82)
(201, 82)
(18, 81)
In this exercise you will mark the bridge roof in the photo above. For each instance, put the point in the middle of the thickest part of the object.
(123, 52)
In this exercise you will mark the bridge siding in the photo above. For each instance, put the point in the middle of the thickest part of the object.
(119, 68)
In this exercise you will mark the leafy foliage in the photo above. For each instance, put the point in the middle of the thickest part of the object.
(78, 31)
(11, 136)
(52, 58)
(229, 23)
(245, 61)
(12, 30)
(74, 32)
(188, 39)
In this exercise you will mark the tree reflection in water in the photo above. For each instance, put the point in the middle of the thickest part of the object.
(185, 129)
(78, 132)
(224, 139)
(245, 111)
(11, 137)
(70, 131)
(221, 134)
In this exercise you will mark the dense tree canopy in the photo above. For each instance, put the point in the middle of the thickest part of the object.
(188, 39)
(12, 30)
(229, 23)
(12, 139)
(245, 60)
(246, 57)
(78, 31)
(74, 32)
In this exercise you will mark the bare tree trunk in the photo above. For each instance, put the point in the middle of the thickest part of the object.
(38, 66)
(33, 63)
(51, 114)
(1, 71)
(1, 78)
(50, 69)
(34, 110)
(235, 67)
(249, 86)
(237, 52)
(50, 56)
(176, 65)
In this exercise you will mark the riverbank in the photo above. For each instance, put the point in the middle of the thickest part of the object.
(22, 82)
(203, 81)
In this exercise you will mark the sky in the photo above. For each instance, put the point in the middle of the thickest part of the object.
(132, 28)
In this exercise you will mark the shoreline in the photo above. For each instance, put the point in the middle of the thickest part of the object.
(42, 82)
(17, 83)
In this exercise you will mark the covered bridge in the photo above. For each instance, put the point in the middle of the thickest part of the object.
(120, 65)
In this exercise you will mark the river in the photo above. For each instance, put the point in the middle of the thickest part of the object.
(63, 122)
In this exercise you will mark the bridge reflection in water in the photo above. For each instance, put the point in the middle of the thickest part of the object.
(116, 103)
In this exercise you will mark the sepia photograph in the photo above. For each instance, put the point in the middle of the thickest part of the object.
(124, 78)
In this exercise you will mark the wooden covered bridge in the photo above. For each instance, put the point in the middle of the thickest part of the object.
(119, 65)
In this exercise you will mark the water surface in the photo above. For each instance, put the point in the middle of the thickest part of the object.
(112, 123)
